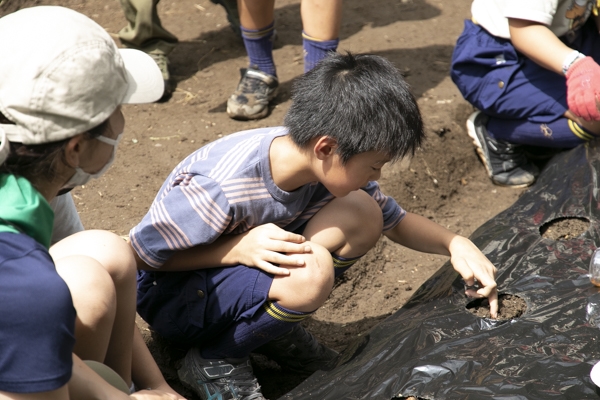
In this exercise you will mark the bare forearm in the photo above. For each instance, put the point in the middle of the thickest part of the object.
(538, 43)
(421, 234)
(213, 255)
(264, 247)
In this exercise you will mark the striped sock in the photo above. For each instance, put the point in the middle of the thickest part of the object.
(315, 50)
(259, 46)
(580, 131)
(268, 323)
(341, 264)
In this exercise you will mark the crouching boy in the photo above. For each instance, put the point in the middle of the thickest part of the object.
(246, 236)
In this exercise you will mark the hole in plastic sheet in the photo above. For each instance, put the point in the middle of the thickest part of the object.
(564, 228)
(510, 307)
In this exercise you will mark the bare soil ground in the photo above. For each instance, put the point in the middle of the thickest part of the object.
(444, 181)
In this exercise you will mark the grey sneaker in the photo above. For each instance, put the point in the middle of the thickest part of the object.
(233, 15)
(505, 163)
(228, 379)
(163, 64)
(252, 95)
(299, 351)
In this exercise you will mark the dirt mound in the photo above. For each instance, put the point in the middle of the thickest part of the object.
(509, 307)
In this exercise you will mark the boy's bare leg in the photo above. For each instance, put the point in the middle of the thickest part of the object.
(321, 19)
(349, 226)
(256, 14)
(114, 255)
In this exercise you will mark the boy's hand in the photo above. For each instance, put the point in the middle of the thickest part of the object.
(268, 244)
(583, 89)
(471, 264)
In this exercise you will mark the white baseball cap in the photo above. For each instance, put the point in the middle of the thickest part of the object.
(61, 74)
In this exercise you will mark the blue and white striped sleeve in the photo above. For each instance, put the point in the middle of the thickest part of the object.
(194, 212)
(392, 212)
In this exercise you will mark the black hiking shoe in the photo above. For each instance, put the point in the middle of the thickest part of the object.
(227, 379)
(505, 163)
(299, 351)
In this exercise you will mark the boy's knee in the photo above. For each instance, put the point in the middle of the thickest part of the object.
(362, 220)
(307, 287)
(348, 226)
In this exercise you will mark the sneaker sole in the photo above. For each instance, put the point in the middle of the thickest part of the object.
(481, 154)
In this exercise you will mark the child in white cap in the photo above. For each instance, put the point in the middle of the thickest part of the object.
(62, 81)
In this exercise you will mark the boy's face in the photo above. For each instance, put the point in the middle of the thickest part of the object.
(358, 171)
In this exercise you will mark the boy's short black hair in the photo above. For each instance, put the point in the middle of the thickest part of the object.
(362, 101)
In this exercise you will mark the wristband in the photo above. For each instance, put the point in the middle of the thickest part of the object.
(570, 59)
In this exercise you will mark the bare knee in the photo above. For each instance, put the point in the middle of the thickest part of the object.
(363, 222)
(349, 226)
(111, 251)
(307, 287)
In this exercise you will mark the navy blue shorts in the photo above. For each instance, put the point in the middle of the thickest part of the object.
(194, 307)
(502, 83)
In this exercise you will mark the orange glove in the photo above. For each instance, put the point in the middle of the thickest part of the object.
(583, 89)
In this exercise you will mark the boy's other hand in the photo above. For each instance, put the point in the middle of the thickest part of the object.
(471, 264)
(583, 89)
(267, 246)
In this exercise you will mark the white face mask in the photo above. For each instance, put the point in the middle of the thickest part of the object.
(81, 177)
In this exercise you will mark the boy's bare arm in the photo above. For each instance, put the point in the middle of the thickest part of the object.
(421, 234)
(539, 43)
(264, 247)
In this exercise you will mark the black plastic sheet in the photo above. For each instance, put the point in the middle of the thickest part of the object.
(434, 348)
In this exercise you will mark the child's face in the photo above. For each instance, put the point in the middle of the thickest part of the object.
(360, 169)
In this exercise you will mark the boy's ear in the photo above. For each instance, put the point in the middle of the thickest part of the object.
(325, 146)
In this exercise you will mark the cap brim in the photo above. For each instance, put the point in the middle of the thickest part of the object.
(145, 81)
